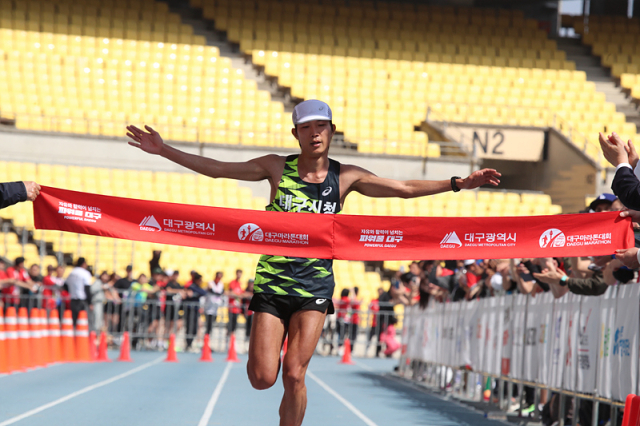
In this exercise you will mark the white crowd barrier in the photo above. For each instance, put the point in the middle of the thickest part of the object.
(581, 344)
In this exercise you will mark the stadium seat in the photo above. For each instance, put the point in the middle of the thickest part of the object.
(507, 48)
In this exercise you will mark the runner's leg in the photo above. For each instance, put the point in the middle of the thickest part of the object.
(305, 328)
(265, 344)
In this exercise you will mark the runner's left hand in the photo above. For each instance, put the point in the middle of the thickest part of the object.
(481, 177)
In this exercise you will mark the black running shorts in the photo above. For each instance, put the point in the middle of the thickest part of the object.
(285, 306)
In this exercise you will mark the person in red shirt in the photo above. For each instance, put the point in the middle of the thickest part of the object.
(51, 291)
(234, 294)
(342, 315)
(23, 284)
(355, 316)
(6, 286)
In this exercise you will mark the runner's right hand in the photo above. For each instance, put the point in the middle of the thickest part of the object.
(150, 141)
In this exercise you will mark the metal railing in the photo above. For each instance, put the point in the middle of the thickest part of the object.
(149, 323)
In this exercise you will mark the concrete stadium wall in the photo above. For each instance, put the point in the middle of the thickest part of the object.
(79, 150)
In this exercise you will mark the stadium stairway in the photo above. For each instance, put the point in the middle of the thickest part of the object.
(585, 61)
(193, 17)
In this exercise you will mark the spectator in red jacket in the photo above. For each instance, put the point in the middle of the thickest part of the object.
(23, 283)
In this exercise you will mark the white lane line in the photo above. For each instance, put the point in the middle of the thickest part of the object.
(214, 398)
(346, 403)
(80, 392)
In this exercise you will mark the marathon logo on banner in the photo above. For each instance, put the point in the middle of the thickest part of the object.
(336, 236)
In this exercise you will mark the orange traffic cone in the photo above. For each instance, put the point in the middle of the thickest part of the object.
(68, 343)
(93, 351)
(346, 358)
(232, 356)
(14, 362)
(82, 338)
(35, 340)
(55, 343)
(24, 339)
(630, 416)
(171, 353)
(102, 349)
(125, 356)
(4, 353)
(44, 338)
(206, 350)
(284, 347)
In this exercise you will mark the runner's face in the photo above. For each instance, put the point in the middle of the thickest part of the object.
(314, 136)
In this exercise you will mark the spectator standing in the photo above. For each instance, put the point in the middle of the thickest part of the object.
(603, 203)
(473, 278)
(342, 315)
(174, 292)
(98, 288)
(386, 316)
(213, 300)
(355, 316)
(122, 286)
(374, 311)
(22, 282)
(248, 313)
(34, 273)
(65, 299)
(36, 282)
(154, 263)
(79, 284)
(6, 287)
(234, 294)
(140, 290)
(192, 308)
(156, 303)
(112, 307)
(51, 289)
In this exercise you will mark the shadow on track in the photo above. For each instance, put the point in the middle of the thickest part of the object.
(438, 411)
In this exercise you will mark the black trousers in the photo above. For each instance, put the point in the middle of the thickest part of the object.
(233, 322)
(353, 334)
(77, 305)
(211, 319)
(191, 320)
(342, 331)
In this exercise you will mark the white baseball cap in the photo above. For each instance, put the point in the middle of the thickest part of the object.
(310, 110)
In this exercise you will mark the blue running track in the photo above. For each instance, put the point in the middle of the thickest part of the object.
(151, 392)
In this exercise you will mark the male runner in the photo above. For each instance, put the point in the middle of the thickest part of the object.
(293, 295)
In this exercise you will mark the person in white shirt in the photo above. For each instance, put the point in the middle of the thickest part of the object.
(213, 300)
(79, 286)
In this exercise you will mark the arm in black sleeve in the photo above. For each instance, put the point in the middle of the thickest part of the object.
(594, 286)
(12, 193)
(626, 187)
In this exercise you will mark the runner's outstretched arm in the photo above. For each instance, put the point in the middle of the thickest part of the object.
(253, 170)
(362, 181)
